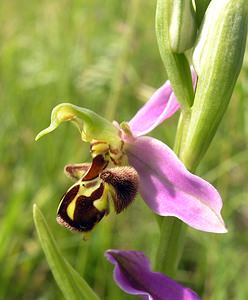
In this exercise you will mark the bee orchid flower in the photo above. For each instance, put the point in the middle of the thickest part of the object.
(125, 161)
(133, 275)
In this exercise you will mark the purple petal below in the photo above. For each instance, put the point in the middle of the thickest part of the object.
(170, 189)
(133, 275)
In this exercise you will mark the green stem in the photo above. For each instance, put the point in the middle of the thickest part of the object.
(173, 230)
(182, 127)
(172, 233)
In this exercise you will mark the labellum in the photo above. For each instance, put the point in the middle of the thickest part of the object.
(88, 200)
(77, 211)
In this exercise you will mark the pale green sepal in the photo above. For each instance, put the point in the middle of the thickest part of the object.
(176, 64)
(183, 27)
(217, 59)
(72, 285)
(91, 125)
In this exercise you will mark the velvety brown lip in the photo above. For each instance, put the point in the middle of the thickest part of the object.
(86, 215)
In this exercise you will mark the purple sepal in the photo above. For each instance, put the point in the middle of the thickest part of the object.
(161, 106)
(169, 189)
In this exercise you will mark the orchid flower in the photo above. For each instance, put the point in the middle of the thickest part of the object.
(133, 275)
(125, 161)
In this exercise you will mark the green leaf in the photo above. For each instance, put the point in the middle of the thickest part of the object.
(217, 59)
(72, 285)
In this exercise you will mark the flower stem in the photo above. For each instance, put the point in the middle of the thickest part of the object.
(173, 230)
(182, 131)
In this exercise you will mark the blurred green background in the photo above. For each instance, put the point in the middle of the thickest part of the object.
(102, 55)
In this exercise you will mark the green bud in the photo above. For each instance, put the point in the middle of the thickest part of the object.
(217, 59)
(183, 26)
(91, 126)
(176, 64)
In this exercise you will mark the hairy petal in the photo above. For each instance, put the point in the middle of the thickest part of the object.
(161, 106)
(170, 189)
(133, 275)
(124, 182)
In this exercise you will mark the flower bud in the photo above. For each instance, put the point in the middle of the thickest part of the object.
(217, 58)
(183, 26)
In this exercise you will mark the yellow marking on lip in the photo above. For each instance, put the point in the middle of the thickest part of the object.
(87, 191)
(71, 208)
(83, 191)
(102, 203)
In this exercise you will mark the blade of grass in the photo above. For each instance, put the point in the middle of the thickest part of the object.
(72, 285)
(227, 166)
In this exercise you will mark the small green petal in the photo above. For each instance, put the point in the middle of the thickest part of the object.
(91, 125)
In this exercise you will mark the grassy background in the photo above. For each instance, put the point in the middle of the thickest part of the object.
(102, 55)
